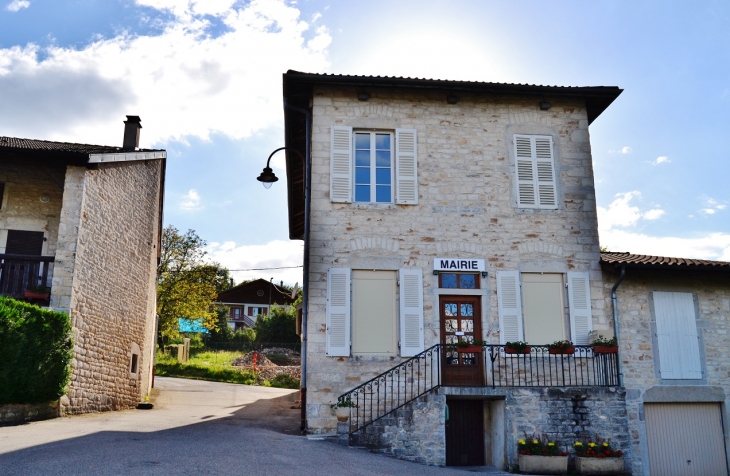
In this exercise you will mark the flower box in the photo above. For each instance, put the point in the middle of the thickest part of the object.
(533, 464)
(605, 349)
(35, 295)
(470, 348)
(561, 350)
(513, 350)
(598, 466)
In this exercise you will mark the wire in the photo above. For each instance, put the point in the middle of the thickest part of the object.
(265, 269)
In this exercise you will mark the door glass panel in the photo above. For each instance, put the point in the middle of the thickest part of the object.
(467, 325)
(450, 309)
(467, 310)
(451, 339)
(450, 325)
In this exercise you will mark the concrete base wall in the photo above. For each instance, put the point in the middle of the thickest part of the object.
(13, 413)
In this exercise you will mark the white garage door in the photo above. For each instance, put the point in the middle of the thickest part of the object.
(685, 439)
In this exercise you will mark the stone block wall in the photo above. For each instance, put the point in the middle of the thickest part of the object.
(112, 294)
(639, 354)
(466, 209)
(416, 432)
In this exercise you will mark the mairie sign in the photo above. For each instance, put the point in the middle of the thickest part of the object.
(458, 264)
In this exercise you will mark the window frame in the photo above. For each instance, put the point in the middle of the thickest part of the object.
(373, 165)
(526, 178)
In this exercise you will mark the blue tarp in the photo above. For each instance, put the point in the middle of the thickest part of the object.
(191, 325)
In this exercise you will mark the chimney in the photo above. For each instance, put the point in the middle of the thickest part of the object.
(131, 132)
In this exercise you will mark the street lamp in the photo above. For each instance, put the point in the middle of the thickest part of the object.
(267, 177)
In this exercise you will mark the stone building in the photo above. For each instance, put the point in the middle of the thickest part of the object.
(437, 212)
(674, 316)
(81, 225)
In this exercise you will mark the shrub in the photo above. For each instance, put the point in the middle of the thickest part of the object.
(285, 381)
(35, 352)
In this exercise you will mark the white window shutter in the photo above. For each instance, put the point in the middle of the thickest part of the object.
(510, 306)
(341, 164)
(411, 311)
(579, 303)
(406, 166)
(535, 172)
(545, 165)
(338, 312)
(679, 351)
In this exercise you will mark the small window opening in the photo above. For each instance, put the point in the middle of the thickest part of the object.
(133, 366)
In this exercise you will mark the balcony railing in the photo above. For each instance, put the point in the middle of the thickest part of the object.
(19, 273)
(481, 366)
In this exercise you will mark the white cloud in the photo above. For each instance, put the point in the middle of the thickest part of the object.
(714, 246)
(17, 5)
(712, 206)
(237, 257)
(661, 160)
(182, 82)
(190, 201)
(622, 150)
(653, 214)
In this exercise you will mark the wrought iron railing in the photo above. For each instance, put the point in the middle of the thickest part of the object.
(480, 366)
(19, 273)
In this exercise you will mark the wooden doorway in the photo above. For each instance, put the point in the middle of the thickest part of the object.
(461, 321)
(465, 433)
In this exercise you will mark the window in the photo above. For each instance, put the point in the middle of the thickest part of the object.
(676, 330)
(459, 280)
(256, 311)
(373, 166)
(532, 307)
(362, 316)
(535, 172)
(236, 313)
(2, 193)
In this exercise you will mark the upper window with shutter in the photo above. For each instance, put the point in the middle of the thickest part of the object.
(677, 337)
(535, 172)
(373, 166)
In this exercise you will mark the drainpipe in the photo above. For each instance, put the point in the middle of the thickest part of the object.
(305, 264)
(614, 302)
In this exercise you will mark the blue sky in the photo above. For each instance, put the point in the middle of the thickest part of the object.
(205, 76)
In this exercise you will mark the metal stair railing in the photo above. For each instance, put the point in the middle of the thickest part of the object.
(393, 389)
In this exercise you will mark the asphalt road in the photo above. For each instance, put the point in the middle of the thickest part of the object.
(196, 428)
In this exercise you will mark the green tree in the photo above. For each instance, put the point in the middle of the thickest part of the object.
(278, 327)
(187, 285)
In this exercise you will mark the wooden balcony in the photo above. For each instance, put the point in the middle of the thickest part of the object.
(22, 273)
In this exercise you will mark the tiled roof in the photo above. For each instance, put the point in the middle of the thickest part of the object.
(62, 147)
(648, 261)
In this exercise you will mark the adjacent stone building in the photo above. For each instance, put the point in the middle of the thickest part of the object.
(81, 224)
(247, 301)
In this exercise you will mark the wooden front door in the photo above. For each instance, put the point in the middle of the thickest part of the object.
(465, 433)
(461, 322)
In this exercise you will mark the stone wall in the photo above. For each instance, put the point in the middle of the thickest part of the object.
(112, 298)
(15, 413)
(416, 432)
(639, 354)
(466, 209)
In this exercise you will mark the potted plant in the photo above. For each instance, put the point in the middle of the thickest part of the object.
(37, 292)
(342, 408)
(597, 457)
(561, 347)
(466, 346)
(517, 347)
(602, 345)
(540, 455)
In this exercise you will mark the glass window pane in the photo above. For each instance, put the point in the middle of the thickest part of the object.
(382, 176)
(362, 158)
(450, 325)
(467, 281)
(382, 141)
(382, 158)
(362, 175)
(382, 193)
(451, 339)
(448, 280)
(362, 141)
(467, 325)
(362, 193)
(450, 309)
(467, 310)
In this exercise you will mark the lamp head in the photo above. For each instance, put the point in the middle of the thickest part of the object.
(267, 177)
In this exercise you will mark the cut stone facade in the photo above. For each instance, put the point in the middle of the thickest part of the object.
(640, 354)
(101, 225)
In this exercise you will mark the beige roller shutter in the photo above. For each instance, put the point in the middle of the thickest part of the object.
(685, 439)
(374, 312)
(544, 307)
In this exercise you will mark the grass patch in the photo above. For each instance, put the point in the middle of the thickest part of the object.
(283, 381)
(213, 366)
